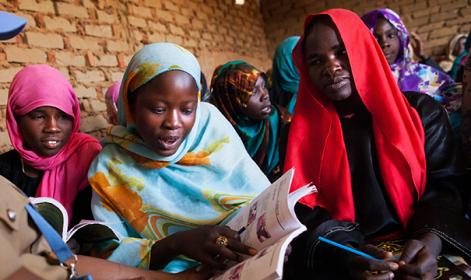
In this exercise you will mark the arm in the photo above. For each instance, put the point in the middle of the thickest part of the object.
(438, 218)
(440, 209)
(102, 269)
(311, 256)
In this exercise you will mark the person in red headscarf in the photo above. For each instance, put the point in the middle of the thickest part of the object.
(384, 161)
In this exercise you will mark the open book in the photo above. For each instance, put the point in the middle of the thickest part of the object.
(82, 236)
(270, 225)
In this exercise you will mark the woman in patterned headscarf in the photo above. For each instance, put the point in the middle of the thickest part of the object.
(393, 37)
(172, 166)
(238, 91)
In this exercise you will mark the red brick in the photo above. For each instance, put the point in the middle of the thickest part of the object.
(156, 37)
(138, 22)
(87, 92)
(7, 74)
(140, 11)
(31, 5)
(57, 23)
(83, 43)
(93, 123)
(97, 106)
(177, 30)
(174, 39)
(66, 9)
(87, 77)
(164, 15)
(16, 54)
(171, 6)
(181, 20)
(99, 30)
(69, 59)
(157, 26)
(104, 17)
(117, 46)
(107, 60)
(45, 40)
(153, 3)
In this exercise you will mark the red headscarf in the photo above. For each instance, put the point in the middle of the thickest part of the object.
(316, 147)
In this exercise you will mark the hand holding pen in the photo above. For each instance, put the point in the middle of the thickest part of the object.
(369, 263)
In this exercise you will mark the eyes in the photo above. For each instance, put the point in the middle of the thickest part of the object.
(393, 34)
(185, 110)
(40, 115)
(317, 60)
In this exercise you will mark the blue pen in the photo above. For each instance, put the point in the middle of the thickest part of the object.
(349, 249)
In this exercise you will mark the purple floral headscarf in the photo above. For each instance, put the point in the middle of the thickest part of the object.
(413, 76)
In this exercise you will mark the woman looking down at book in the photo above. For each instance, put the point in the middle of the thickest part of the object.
(384, 162)
(173, 169)
(51, 158)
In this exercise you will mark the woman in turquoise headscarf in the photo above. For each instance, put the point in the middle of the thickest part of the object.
(172, 169)
(285, 76)
(238, 90)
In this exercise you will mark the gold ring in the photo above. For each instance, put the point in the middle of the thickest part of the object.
(222, 241)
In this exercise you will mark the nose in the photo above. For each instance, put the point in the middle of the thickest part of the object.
(264, 96)
(172, 120)
(383, 41)
(332, 66)
(52, 125)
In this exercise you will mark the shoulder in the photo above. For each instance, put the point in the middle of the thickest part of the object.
(9, 162)
(425, 105)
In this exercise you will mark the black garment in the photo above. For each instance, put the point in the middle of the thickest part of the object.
(440, 209)
(11, 168)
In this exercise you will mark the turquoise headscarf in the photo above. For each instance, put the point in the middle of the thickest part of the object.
(285, 76)
(146, 197)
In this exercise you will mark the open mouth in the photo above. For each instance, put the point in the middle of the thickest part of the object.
(51, 144)
(168, 142)
(266, 110)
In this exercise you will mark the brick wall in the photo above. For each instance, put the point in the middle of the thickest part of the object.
(91, 41)
(435, 21)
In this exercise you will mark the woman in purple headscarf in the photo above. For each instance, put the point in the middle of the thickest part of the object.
(111, 100)
(393, 37)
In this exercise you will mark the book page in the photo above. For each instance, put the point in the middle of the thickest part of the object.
(268, 217)
(266, 264)
(92, 231)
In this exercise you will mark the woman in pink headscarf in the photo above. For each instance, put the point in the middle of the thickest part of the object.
(51, 158)
(111, 100)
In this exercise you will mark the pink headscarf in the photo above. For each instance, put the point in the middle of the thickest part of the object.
(65, 173)
(113, 92)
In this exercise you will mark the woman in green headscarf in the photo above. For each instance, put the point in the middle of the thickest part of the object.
(238, 90)
(285, 76)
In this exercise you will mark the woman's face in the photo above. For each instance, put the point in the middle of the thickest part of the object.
(164, 111)
(327, 62)
(388, 38)
(259, 105)
(45, 130)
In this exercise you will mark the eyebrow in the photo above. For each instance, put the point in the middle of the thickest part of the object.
(341, 45)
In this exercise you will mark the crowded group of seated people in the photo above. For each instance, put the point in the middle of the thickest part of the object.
(347, 107)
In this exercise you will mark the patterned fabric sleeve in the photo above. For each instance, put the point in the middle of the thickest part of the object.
(132, 250)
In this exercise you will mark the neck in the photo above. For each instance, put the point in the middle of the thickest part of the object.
(29, 170)
(349, 106)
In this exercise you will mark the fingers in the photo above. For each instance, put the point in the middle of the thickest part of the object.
(234, 242)
(383, 275)
(411, 249)
(364, 264)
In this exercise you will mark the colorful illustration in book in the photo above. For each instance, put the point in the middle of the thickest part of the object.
(235, 272)
(262, 233)
(252, 213)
